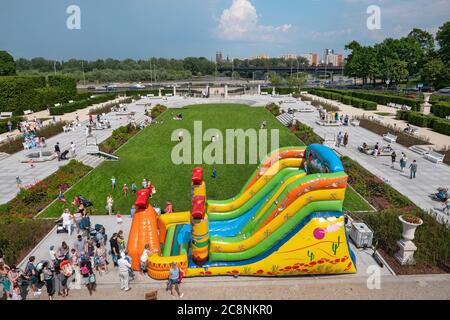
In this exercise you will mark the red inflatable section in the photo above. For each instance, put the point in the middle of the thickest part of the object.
(142, 199)
(198, 207)
(197, 176)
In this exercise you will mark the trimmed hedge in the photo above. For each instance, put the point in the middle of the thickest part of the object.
(441, 109)
(76, 105)
(418, 119)
(18, 93)
(355, 102)
(31, 92)
(374, 97)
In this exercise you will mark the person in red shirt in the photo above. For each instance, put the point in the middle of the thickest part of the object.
(90, 119)
(125, 189)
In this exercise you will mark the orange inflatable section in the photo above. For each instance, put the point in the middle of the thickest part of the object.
(144, 230)
(285, 154)
(295, 193)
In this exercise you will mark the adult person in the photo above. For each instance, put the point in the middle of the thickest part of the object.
(109, 204)
(31, 274)
(9, 125)
(115, 250)
(67, 219)
(413, 167)
(403, 161)
(121, 241)
(124, 276)
(90, 251)
(447, 207)
(393, 159)
(376, 150)
(77, 217)
(80, 245)
(174, 279)
(345, 140)
(65, 272)
(58, 151)
(132, 211)
(113, 182)
(49, 279)
(339, 139)
(4, 270)
(88, 275)
(13, 276)
(63, 252)
(73, 148)
(100, 258)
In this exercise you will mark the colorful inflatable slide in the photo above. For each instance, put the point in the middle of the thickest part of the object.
(287, 220)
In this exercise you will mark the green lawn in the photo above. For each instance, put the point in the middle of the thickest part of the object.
(354, 202)
(148, 155)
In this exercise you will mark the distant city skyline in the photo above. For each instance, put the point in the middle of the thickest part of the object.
(174, 29)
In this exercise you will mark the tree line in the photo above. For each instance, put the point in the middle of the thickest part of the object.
(418, 57)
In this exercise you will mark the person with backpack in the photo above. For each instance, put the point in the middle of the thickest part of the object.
(31, 274)
(115, 249)
(175, 277)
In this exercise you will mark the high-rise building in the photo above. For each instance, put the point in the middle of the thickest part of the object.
(330, 58)
(313, 58)
(219, 57)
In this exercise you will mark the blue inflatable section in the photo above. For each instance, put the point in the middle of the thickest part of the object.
(280, 243)
(320, 158)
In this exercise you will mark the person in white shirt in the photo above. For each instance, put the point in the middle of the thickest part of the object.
(144, 258)
(124, 265)
(72, 150)
(67, 220)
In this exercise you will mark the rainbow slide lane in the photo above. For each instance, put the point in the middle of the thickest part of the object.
(283, 222)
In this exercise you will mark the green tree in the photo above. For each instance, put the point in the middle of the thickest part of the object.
(7, 64)
(433, 71)
(443, 38)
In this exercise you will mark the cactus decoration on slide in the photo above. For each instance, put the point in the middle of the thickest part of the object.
(335, 246)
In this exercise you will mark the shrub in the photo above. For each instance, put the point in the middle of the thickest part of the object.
(306, 134)
(18, 93)
(157, 111)
(4, 123)
(118, 138)
(67, 86)
(441, 109)
(273, 108)
(442, 126)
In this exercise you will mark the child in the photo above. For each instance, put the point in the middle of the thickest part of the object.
(144, 258)
(134, 187)
(31, 163)
(132, 211)
(214, 174)
(52, 254)
(113, 182)
(130, 270)
(125, 189)
(119, 217)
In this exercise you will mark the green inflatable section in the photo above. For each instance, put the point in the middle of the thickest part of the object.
(278, 234)
(278, 179)
(169, 241)
(254, 224)
(250, 179)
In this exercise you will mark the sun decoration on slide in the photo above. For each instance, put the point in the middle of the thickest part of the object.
(319, 233)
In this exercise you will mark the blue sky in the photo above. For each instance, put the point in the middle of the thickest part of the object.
(179, 28)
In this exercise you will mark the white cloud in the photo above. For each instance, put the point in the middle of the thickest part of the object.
(240, 22)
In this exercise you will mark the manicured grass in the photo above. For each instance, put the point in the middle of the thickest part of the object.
(148, 155)
(355, 203)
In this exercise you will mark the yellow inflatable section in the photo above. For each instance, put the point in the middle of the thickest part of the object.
(260, 235)
(301, 255)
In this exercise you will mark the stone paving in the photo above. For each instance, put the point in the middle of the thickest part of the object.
(430, 176)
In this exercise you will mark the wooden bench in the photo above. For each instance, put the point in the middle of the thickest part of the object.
(27, 112)
(169, 95)
(390, 138)
(435, 157)
(153, 295)
(5, 115)
(329, 123)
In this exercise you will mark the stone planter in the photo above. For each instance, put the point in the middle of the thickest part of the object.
(409, 229)
(405, 256)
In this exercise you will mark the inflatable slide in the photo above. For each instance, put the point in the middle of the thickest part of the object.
(287, 220)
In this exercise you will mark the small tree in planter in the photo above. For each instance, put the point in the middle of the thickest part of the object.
(405, 256)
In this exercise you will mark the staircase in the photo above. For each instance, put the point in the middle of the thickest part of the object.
(286, 119)
(3, 155)
(91, 161)
(422, 150)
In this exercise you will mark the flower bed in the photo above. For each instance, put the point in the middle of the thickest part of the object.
(30, 201)
(432, 238)
(402, 138)
(47, 131)
(118, 138)
(158, 110)
(273, 108)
